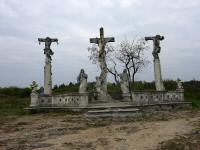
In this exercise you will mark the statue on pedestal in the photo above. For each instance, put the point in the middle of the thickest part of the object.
(34, 94)
(82, 79)
(47, 68)
(34, 87)
(102, 79)
(157, 67)
(124, 84)
(179, 85)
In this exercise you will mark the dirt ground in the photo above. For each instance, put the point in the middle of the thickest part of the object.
(54, 131)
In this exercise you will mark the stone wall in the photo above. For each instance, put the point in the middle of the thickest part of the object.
(153, 97)
(64, 100)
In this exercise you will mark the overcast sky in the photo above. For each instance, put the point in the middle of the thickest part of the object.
(73, 22)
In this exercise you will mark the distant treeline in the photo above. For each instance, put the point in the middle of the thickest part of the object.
(192, 88)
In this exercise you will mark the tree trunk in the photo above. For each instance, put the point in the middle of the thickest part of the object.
(129, 83)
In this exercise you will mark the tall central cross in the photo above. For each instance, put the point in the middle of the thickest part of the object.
(102, 41)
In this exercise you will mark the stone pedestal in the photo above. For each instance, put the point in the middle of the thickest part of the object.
(83, 99)
(47, 77)
(126, 97)
(158, 76)
(34, 99)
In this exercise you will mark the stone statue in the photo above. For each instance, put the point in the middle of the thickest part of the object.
(157, 67)
(47, 50)
(98, 85)
(34, 94)
(156, 44)
(179, 85)
(82, 79)
(34, 87)
(47, 68)
(124, 81)
(102, 41)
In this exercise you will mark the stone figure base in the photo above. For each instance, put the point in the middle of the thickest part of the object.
(103, 98)
(34, 99)
(126, 97)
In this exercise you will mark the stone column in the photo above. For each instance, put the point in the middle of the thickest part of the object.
(157, 68)
(47, 68)
(158, 76)
(47, 77)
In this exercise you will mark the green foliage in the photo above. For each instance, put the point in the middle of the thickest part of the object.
(12, 105)
(192, 92)
(15, 91)
(14, 99)
(65, 88)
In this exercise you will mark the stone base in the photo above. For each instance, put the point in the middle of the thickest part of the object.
(101, 98)
(34, 100)
(126, 97)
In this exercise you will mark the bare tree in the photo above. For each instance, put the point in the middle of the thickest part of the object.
(130, 54)
(110, 59)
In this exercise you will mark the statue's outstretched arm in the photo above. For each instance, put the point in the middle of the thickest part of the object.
(41, 40)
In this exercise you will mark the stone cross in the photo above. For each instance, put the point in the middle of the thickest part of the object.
(47, 68)
(102, 41)
(157, 67)
(156, 44)
(47, 50)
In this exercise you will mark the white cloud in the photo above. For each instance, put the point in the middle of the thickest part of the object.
(74, 22)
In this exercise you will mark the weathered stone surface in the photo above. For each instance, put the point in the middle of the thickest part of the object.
(179, 86)
(158, 76)
(34, 94)
(64, 100)
(82, 80)
(154, 97)
(124, 84)
(47, 68)
(157, 67)
(102, 79)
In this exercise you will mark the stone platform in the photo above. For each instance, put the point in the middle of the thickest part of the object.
(112, 109)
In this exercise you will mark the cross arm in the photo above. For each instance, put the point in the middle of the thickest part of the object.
(94, 40)
(109, 39)
(149, 38)
(41, 40)
(54, 40)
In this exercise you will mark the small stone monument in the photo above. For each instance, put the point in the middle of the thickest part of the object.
(157, 67)
(34, 94)
(102, 95)
(179, 85)
(82, 80)
(47, 68)
(124, 84)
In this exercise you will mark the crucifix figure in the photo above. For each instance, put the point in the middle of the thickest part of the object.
(156, 44)
(157, 67)
(102, 60)
(47, 68)
(47, 50)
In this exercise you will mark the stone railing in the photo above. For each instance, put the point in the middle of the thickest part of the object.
(152, 97)
(61, 100)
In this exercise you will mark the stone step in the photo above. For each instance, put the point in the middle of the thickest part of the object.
(113, 112)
